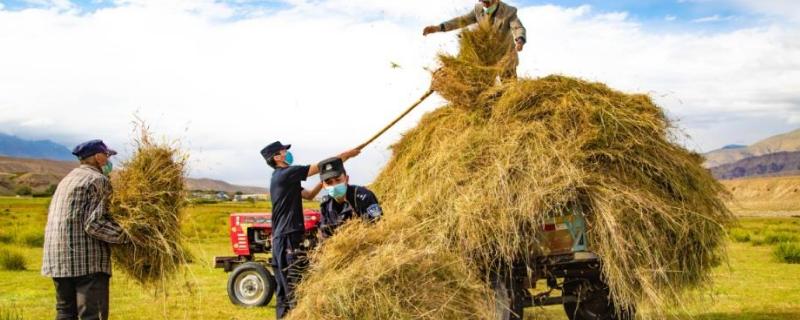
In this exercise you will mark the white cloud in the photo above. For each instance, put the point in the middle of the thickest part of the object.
(785, 8)
(714, 18)
(318, 74)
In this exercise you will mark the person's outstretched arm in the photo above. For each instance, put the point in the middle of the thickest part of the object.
(314, 168)
(310, 194)
(452, 24)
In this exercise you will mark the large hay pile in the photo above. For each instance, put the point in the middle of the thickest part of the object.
(472, 183)
(147, 202)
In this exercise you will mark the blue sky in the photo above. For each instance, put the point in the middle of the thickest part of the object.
(676, 15)
(644, 10)
(229, 77)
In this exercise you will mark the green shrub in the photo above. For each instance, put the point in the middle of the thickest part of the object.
(10, 260)
(778, 237)
(32, 239)
(200, 201)
(739, 235)
(6, 238)
(23, 191)
(788, 252)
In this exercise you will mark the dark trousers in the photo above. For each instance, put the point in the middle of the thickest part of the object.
(84, 297)
(289, 261)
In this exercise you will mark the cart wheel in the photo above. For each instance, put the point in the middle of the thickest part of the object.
(595, 304)
(509, 297)
(251, 285)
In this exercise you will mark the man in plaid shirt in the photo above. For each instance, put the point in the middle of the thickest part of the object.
(77, 251)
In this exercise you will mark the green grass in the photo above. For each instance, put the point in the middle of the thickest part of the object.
(782, 234)
(32, 239)
(753, 285)
(10, 313)
(6, 238)
(201, 294)
(739, 235)
(788, 252)
(11, 260)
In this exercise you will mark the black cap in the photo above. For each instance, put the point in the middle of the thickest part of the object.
(273, 148)
(330, 168)
(90, 148)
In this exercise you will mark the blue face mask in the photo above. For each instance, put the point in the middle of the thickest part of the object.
(337, 191)
(107, 168)
(491, 9)
(289, 158)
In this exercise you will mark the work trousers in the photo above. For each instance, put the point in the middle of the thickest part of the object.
(84, 297)
(289, 262)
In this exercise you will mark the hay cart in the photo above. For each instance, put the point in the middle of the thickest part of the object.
(251, 282)
(566, 265)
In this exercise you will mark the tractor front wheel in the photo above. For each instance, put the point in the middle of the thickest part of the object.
(251, 285)
(594, 301)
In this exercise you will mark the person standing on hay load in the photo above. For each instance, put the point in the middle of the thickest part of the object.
(287, 194)
(502, 17)
(79, 231)
(344, 201)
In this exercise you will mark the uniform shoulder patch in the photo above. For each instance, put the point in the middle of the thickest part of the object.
(374, 211)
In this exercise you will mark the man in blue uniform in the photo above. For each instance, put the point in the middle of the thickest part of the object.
(287, 196)
(344, 201)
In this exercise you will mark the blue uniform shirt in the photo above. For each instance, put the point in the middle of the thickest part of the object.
(360, 203)
(287, 200)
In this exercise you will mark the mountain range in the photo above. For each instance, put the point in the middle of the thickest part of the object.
(774, 156)
(41, 174)
(12, 146)
(39, 165)
(787, 142)
(773, 164)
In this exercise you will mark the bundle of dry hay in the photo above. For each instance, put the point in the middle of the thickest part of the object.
(147, 202)
(473, 182)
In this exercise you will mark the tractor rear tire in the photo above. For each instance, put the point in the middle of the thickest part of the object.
(251, 285)
(595, 301)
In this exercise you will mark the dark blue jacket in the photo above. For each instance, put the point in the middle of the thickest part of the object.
(360, 202)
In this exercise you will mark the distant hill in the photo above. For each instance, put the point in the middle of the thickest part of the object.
(12, 146)
(40, 174)
(773, 164)
(787, 142)
(217, 185)
(761, 195)
(733, 146)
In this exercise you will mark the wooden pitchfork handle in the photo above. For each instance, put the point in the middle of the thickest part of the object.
(421, 99)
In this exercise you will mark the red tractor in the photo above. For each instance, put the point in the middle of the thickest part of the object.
(251, 282)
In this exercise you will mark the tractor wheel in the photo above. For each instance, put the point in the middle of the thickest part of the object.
(251, 285)
(594, 303)
(509, 298)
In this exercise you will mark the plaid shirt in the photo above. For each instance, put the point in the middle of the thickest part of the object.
(79, 230)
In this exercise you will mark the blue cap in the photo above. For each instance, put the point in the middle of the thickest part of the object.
(90, 148)
(273, 148)
(331, 168)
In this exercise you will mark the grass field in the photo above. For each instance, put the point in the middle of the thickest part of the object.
(756, 284)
